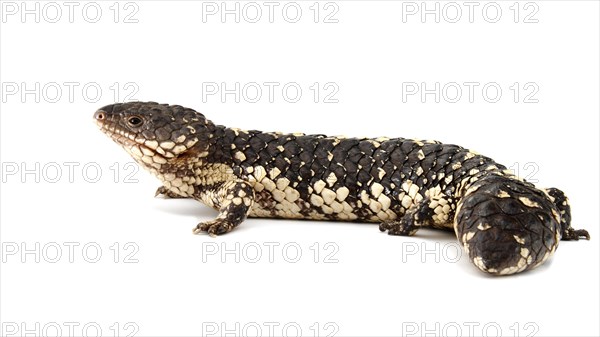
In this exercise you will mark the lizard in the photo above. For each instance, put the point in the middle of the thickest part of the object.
(505, 224)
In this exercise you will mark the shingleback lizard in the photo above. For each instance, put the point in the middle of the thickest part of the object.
(505, 224)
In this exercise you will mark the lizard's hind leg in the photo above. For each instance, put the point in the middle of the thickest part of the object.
(430, 211)
(560, 200)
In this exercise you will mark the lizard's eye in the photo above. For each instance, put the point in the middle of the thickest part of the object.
(134, 121)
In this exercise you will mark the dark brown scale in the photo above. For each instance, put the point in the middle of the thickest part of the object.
(380, 156)
(366, 147)
(292, 148)
(431, 156)
(397, 156)
(256, 143)
(242, 141)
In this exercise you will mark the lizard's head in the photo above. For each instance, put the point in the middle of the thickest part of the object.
(154, 133)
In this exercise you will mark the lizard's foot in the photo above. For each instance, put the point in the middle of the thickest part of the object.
(404, 227)
(214, 227)
(575, 234)
(560, 200)
(167, 193)
(418, 216)
(235, 198)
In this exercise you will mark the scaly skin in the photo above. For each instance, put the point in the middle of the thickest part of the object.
(506, 225)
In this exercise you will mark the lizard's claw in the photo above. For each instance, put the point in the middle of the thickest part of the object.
(166, 193)
(213, 227)
(159, 191)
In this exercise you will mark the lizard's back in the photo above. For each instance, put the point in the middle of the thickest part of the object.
(351, 179)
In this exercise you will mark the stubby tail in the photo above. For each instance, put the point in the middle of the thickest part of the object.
(507, 226)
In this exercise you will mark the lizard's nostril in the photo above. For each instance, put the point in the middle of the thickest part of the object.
(99, 115)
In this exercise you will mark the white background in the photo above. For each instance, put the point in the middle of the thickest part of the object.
(376, 284)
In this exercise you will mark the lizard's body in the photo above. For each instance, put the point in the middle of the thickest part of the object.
(332, 178)
(507, 225)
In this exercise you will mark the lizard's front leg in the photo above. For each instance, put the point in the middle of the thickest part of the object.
(233, 199)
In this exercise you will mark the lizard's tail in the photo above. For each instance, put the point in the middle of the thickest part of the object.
(507, 226)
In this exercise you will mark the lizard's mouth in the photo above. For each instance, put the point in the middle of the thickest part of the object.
(119, 135)
(132, 143)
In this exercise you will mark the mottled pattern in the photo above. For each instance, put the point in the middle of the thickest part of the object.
(506, 225)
